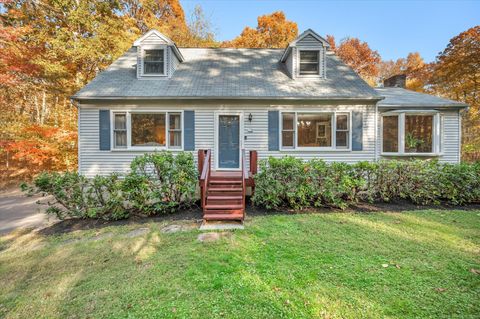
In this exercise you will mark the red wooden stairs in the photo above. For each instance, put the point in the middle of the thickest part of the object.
(224, 196)
(223, 192)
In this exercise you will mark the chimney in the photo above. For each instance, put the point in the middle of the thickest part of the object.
(396, 81)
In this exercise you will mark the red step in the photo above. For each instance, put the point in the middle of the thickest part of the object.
(222, 181)
(225, 189)
(223, 207)
(223, 216)
(225, 197)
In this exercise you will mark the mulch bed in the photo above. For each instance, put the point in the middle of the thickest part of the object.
(70, 225)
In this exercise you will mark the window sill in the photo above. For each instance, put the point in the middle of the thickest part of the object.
(412, 154)
(309, 149)
(146, 149)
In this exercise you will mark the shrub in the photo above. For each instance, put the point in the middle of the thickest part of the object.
(74, 195)
(158, 183)
(161, 182)
(292, 183)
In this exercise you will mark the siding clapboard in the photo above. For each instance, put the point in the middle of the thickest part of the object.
(92, 161)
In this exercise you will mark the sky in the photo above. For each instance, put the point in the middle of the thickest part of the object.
(393, 28)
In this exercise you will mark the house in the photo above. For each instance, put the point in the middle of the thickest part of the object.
(300, 101)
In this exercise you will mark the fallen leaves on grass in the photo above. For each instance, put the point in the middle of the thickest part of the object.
(475, 271)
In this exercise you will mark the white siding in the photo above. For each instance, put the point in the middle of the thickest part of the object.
(153, 39)
(450, 135)
(92, 161)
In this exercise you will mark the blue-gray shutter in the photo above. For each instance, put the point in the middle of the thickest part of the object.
(273, 130)
(357, 131)
(104, 120)
(189, 129)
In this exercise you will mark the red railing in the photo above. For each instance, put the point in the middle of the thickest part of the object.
(205, 175)
(244, 179)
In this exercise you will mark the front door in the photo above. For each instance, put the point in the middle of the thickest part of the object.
(229, 141)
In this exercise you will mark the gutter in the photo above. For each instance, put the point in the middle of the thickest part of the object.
(242, 98)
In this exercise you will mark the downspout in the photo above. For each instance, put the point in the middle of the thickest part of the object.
(375, 133)
(77, 105)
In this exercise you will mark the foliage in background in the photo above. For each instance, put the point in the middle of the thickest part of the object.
(158, 183)
(359, 56)
(293, 183)
(272, 31)
(50, 49)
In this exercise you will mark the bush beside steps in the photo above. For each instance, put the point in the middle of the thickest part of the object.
(289, 182)
(158, 183)
(161, 183)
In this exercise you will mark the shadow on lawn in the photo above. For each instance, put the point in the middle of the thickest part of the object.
(70, 225)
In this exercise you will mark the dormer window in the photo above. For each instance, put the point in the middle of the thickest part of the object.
(154, 62)
(309, 62)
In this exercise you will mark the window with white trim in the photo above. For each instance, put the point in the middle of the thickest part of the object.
(120, 130)
(411, 132)
(309, 62)
(315, 130)
(143, 130)
(154, 62)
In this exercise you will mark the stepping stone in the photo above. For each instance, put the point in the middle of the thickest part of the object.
(177, 228)
(210, 237)
(137, 232)
(171, 229)
(221, 225)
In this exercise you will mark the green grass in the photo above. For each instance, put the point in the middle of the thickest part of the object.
(284, 266)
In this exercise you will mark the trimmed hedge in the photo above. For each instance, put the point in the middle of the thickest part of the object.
(289, 182)
(158, 183)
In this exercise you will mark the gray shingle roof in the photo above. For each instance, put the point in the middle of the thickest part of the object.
(227, 73)
(407, 98)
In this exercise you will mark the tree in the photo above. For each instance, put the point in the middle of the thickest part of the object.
(414, 67)
(273, 31)
(359, 56)
(456, 75)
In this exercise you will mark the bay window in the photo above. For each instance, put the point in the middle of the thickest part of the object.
(144, 130)
(411, 133)
(315, 130)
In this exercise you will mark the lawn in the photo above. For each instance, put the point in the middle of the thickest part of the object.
(419, 264)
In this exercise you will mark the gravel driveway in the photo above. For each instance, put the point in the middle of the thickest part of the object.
(18, 210)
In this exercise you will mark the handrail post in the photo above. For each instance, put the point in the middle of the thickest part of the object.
(201, 161)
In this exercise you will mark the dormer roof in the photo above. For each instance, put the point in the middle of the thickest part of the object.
(307, 33)
(154, 36)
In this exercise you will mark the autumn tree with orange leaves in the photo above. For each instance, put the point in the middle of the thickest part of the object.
(273, 31)
(359, 56)
(456, 75)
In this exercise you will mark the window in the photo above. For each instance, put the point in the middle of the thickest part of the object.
(309, 62)
(390, 133)
(288, 130)
(342, 133)
(418, 133)
(411, 133)
(153, 62)
(315, 130)
(120, 130)
(146, 129)
(175, 130)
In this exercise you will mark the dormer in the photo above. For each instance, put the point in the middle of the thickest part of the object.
(157, 56)
(305, 56)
